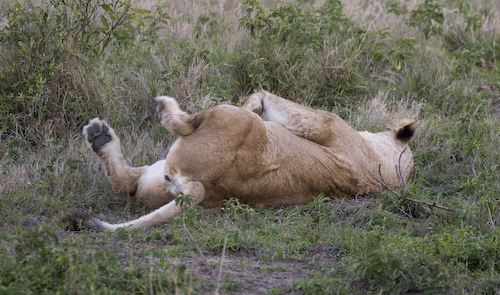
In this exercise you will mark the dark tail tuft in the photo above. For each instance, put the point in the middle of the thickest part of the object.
(405, 130)
(75, 219)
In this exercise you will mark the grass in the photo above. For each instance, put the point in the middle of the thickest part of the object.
(371, 62)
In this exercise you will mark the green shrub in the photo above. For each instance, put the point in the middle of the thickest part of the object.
(48, 52)
(43, 264)
(292, 54)
(428, 17)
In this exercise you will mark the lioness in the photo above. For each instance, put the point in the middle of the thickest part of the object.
(227, 151)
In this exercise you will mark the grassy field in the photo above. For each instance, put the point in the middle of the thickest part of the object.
(371, 62)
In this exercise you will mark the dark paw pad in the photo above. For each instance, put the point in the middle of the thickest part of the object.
(100, 141)
(98, 136)
(159, 110)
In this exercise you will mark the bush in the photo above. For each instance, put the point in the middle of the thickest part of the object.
(293, 52)
(48, 53)
(42, 264)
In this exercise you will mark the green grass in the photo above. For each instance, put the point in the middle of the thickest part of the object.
(369, 62)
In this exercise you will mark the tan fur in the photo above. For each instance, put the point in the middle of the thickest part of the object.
(226, 151)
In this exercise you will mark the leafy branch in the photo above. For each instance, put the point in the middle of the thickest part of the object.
(429, 18)
(404, 186)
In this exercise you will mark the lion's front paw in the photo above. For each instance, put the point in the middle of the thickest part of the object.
(97, 133)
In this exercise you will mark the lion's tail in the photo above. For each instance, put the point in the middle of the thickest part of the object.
(404, 130)
(173, 118)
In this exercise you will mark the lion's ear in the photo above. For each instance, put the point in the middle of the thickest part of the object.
(404, 130)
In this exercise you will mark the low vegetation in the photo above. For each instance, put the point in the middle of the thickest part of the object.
(64, 62)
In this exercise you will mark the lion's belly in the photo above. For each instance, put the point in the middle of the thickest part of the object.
(293, 171)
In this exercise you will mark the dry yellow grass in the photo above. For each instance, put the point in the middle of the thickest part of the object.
(373, 15)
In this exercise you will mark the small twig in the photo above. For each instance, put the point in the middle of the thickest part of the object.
(422, 203)
(408, 215)
(191, 237)
(398, 169)
(491, 218)
(219, 276)
(384, 183)
(151, 275)
(474, 161)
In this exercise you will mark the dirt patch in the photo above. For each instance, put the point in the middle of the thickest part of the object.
(246, 273)
(242, 272)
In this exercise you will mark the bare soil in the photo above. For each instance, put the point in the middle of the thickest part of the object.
(251, 275)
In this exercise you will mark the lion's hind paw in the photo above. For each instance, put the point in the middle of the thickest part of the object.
(97, 133)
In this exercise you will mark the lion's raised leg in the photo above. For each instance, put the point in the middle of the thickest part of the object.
(172, 117)
(311, 124)
(106, 145)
